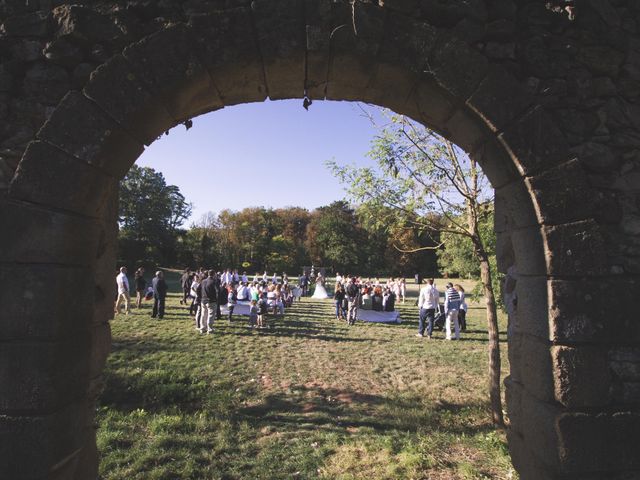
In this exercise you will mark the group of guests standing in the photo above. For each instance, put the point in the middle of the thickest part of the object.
(455, 309)
(372, 294)
(211, 290)
(157, 290)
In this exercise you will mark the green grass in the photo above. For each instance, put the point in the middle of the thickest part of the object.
(311, 399)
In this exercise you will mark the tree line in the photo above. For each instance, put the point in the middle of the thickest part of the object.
(338, 236)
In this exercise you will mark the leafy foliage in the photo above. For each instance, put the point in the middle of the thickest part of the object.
(150, 214)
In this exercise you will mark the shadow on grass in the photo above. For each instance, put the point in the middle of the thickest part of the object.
(333, 410)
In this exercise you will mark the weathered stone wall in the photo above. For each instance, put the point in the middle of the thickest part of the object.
(549, 107)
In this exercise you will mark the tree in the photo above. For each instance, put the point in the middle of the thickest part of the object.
(150, 215)
(333, 236)
(423, 181)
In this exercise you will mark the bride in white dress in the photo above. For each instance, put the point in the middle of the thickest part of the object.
(320, 292)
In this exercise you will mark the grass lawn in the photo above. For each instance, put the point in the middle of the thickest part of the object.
(313, 398)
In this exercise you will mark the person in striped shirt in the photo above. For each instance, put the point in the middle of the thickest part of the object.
(452, 301)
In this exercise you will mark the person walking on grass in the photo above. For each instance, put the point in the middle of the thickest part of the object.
(451, 307)
(123, 291)
(185, 283)
(354, 298)
(338, 299)
(232, 300)
(428, 301)
(141, 285)
(159, 295)
(209, 299)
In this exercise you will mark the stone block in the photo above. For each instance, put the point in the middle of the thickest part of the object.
(408, 43)
(86, 25)
(466, 130)
(78, 127)
(562, 194)
(399, 82)
(516, 206)
(581, 376)
(535, 143)
(168, 66)
(528, 250)
(532, 313)
(499, 99)
(513, 397)
(537, 369)
(575, 249)
(496, 163)
(100, 348)
(318, 27)
(31, 446)
(540, 432)
(456, 67)
(46, 84)
(48, 176)
(588, 311)
(515, 356)
(47, 302)
(39, 235)
(430, 105)
(43, 376)
(116, 89)
(89, 457)
(602, 442)
(228, 49)
(37, 24)
(283, 48)
(353, 53)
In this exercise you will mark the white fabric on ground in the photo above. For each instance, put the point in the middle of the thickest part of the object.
(379, 317)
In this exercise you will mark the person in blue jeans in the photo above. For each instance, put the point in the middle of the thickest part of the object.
(428, 301)
(338, 297)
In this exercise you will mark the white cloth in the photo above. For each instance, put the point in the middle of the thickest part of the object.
(123, 283)
(379, 317)
(320, 292)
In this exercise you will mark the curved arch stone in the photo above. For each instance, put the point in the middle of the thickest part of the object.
(567, 393)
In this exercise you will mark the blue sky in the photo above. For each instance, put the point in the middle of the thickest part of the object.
(267, 154)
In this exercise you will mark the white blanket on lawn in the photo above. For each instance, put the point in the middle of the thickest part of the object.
(242, 308)
(379, 317)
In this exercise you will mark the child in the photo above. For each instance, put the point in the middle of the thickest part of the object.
(263, 308)
(253, 314)
(232, 299)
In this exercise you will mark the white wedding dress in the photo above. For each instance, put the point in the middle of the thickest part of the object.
(320, 292)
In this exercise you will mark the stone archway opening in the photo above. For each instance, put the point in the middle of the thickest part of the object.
(61, 204)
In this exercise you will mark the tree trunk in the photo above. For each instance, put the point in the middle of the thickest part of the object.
(494, 341)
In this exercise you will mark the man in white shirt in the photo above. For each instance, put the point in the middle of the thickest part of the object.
(123, 291)
(428, 302)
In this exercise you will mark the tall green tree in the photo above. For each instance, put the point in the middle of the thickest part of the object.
(334, 236)
(423, 181)
(150, 216)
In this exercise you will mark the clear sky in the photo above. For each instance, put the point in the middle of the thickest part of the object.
(267, 154)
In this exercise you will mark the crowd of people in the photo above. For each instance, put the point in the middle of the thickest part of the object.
(207, 292)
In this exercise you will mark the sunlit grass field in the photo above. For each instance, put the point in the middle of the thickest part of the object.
(310, 399)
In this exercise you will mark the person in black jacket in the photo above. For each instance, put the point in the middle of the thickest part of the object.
(159, 295)
(209, 299)
(140, 284)
(185, 283)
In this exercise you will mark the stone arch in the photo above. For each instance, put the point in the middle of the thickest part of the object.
(60, 206)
